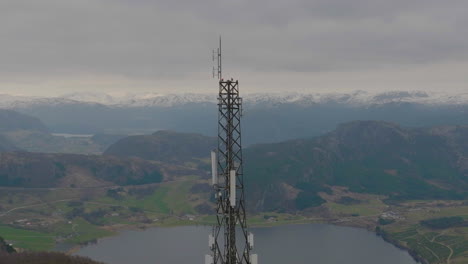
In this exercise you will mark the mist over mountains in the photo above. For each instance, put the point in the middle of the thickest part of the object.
(358, 97)
(267, 117)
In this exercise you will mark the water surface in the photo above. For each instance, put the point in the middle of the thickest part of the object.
(294, 244)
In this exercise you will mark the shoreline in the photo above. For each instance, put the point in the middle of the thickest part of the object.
(120, 228)
(414, 255)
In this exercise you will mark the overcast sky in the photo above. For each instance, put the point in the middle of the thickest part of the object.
(52, 47)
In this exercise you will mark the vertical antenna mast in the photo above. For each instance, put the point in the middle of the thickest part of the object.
(230, 241)
(220, 69)
(218, 56)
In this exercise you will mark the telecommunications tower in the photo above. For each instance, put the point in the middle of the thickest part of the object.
(230, 242)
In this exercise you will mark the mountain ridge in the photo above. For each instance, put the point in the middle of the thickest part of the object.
(267, 117)
(374, 157)
(45, 170)
(365, 156)
(164, 145)
(357, 97)
(12, 120)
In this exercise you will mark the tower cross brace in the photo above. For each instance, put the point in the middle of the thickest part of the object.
(230, 242)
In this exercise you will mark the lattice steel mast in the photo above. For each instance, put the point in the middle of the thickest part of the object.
(230, 242)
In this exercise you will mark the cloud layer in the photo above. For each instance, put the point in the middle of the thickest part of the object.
(56, 46)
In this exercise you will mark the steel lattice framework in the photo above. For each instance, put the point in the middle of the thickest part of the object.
(231, 242)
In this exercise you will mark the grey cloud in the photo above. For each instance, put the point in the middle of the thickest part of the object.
(169, 39)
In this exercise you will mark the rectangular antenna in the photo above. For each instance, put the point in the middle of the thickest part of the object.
(254, 259)
(208, 259)
(210, 241)
(214, 168)
(219, 58)
(232, 188)
(251, 240)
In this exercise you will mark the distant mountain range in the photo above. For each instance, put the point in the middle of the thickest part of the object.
(268, 118)
(20, 131)
(12, 121)
(358, 97)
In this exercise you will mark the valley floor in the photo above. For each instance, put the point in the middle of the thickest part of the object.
(41, 219)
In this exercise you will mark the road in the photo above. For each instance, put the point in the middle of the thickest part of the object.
(33, 205)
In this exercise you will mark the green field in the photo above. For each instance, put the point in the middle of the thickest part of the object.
(368, 208)
(167, 199)
(78, 217)
(27, 239)
(442, 245)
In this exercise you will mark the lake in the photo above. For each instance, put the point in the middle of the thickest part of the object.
(308, 243)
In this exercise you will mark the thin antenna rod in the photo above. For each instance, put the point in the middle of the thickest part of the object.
(220, 76)
(218, 57)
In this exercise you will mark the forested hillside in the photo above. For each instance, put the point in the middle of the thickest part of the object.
(365, 156)
(33, 170)
(165, 146)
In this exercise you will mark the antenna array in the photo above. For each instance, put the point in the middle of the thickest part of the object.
(217, 54)
(230, 241)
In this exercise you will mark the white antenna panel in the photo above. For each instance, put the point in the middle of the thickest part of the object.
(208, 259)
(210, 241)
(214, 168)
(232, 187)
(254, 259)
(251, 240)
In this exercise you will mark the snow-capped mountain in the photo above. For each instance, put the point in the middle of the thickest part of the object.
(100, 98)
(19, 102)
(360, 98)
(269, 117)
(356, 98)
(165, 100)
